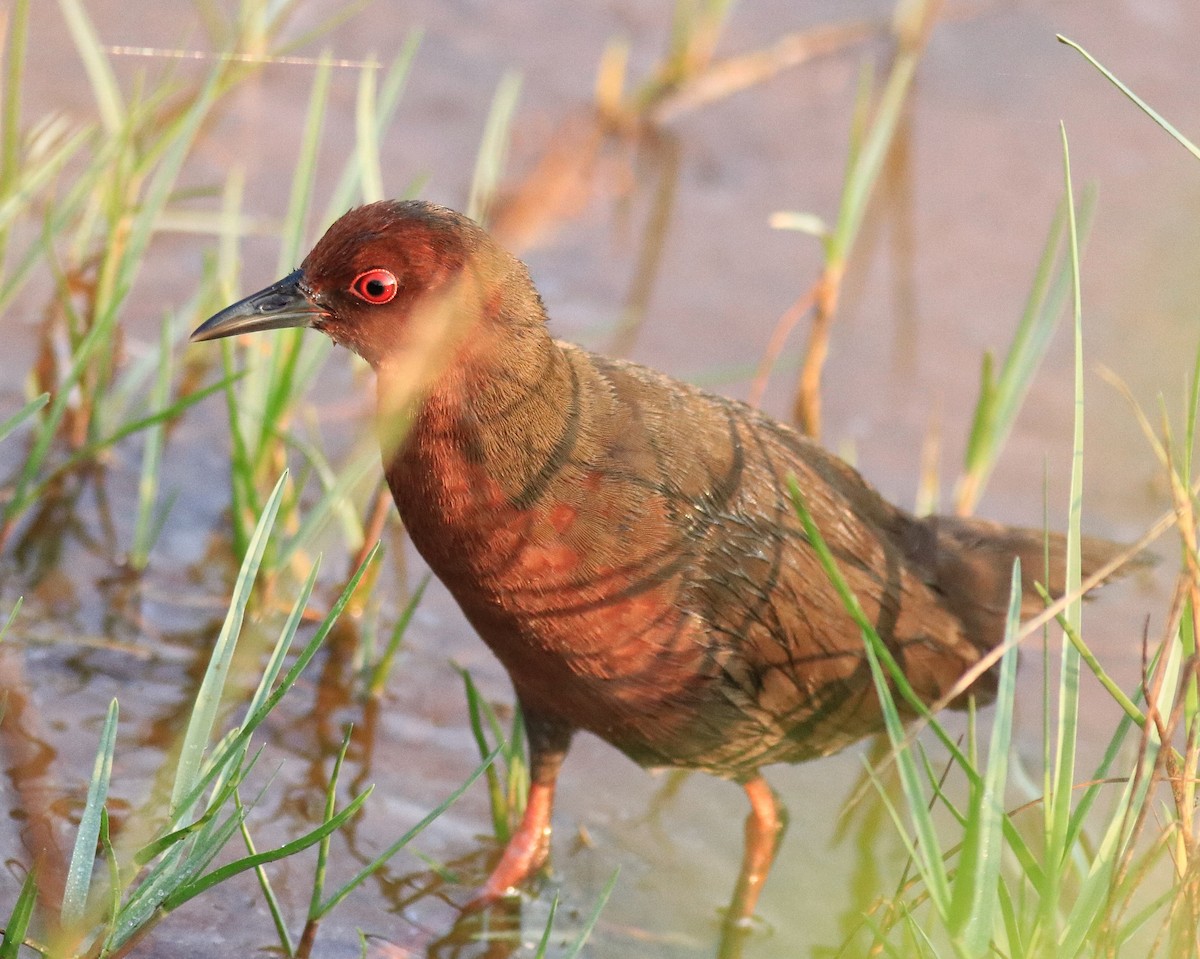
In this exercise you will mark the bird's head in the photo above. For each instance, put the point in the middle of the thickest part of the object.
(397, 282)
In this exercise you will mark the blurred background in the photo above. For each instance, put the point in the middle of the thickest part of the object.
(650, 235)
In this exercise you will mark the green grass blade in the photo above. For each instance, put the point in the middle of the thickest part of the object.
(196, 887)
(234, 744)
(381, 670)
(390, 92)
(180, 864)
(16, 37)
(477, 709)
(586, 932)
(241, 467)
(1002, 395)
(264, 883)
(83, 856)
(88, 451)
(1097, 885)
(314, 902)
(544, 942)
(178, 139)
(335, 500)
(144, 527)
(48, 427)
(294, 222)
(95, 61)
(284, 643)
(1128, 706)
(114, 873)
(271, 386)
(489, 164)
(974, 904)
(864, 173)
(204, 712)
(404, 840)
(1059, 794)
(160, 845)
(19, 417)
(366, 139)
(30, 179)
(116, 277)
(927, 848)
(12, 618)
(19, 918)
(852, 606)
(1142, 104)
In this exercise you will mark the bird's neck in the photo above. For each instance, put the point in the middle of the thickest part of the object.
(486, 433)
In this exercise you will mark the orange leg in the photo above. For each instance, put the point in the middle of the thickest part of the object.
(526, 851)
(529, 847)
(764, 829)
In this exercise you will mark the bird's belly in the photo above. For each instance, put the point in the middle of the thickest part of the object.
(590, 615)
(630, 666)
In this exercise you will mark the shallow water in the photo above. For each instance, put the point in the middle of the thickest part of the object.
(947, 255)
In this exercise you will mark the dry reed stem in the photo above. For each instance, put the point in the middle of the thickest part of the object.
(734, 74)
(783, 329)
(806, 410)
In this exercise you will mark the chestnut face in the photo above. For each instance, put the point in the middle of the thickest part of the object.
(361, 281)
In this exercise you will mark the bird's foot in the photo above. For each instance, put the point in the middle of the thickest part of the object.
(527, 851)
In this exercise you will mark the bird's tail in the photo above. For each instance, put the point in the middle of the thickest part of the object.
(970, 561)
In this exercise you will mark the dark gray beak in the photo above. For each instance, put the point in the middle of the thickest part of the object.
(283, 304)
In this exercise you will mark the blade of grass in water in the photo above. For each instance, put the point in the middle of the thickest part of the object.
(544, 942)
(272, 901)
(366, 136)
(404, 840)
(149, 518)
(1060, 777)
(272, 385)
(337, 485)
(100, 73)
(83, 856)
(927, 849)
(180, 861)
(1001, 397)
(22, 415)
(911, 24)
(388, 98)
(16, 36)
(27, 181)
(586, 932)
(284, 644)
(851, 605)
(204, 712)
(256, 716)
(475, 714)
(12, 617)
(314, 904)
(119, 266)
(381, 670)
(19, 918)
(86, 453)
(221, 874)
(489, 163)
(1142, 104)
(973, 917)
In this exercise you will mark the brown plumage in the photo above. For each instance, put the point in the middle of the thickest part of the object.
(625, 542)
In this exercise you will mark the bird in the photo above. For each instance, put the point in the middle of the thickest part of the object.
(626, 543)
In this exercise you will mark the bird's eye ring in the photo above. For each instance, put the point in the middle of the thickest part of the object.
(375, 286)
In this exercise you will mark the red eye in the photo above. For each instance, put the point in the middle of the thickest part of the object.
(375, 286)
